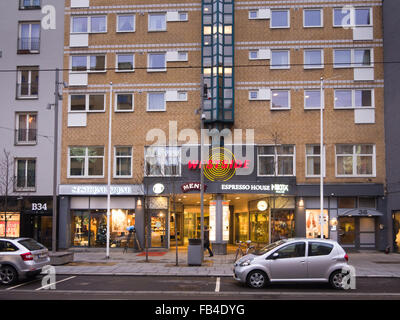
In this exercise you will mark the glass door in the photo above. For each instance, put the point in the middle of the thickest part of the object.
(189, 225)
(241, 226)
(98, 229)
(347, 231)
(259, 226)
(45, 232)
(282, 224)
(158, 230)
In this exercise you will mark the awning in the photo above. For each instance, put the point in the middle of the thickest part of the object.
(365, 212)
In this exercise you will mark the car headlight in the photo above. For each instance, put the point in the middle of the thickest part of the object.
(246, 263)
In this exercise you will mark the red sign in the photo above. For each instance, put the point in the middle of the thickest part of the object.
(193, 165)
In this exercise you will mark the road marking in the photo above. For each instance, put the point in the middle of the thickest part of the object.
(49, 285)
(22, 284)
(218, 284)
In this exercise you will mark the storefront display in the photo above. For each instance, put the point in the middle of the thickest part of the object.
(259, 226)
(347, 231)
(13, 222)
(396, 231)
(282, 224)
(313, 223)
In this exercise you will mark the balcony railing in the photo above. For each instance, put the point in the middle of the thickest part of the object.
(28, 90)
(28, 45)
(25, 183)
(25, 136)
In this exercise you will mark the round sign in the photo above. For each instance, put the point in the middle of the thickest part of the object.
(158, 188)
(262, 205)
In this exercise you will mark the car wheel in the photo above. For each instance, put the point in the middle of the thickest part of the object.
(8, 275)
(257, 279)
(336, 280)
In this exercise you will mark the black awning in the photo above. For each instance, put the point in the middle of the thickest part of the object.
(359, 212)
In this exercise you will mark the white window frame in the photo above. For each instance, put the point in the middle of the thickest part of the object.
(88, 58)
(252, 11)
(183, 13)
(352, 17)
(126, 15)
(308, 66)
(354, 158)
(116, 102)
(116, 176)
(148, 101)
(26, 127)
(256, 92)
(321, 15)
(322, 163)
(162, 166)
(253, 51)
(154, 14)
(323, 99)
(87, 102)
(19, 82)
(149, 69)
(352, 63)
(20, 24)
(276, 162)
(89, 24)
(277, 66)
(124, 54)
(353, 99)
(86, 162)
(25, 187)
(289, 99)
(280, 27)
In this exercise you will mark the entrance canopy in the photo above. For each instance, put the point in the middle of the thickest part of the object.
(365, 212)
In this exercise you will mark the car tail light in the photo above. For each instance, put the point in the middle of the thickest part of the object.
(27, 256)
(346, 257)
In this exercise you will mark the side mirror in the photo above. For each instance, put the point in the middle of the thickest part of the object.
(273, 256)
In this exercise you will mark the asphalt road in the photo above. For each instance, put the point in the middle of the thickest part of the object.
(83, 287)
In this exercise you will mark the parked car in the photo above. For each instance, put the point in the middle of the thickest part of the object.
(21, 258)
(293, 260)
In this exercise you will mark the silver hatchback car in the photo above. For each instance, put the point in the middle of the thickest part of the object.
(21, 258)
(293, 260)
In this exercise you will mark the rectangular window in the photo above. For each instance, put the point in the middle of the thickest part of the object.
(346, 58)
(253, 95)
(126, 23)
(357, 98)
(123, 162)
(347, 17)
(95, 63)
(156, 62)
(25, 174)
(156, 101)
(26, 128)
(280, 99)
(89, 24)
(98, 24)
(312, 18)
(280, 19)
(312, 99)
(125, 62)
(355, 160)
(87, 103)
(313, 160)
(29, 4)
(124, 102)
(253, 14)
(27, 82)
(313, 59)
(276, 160)
(80, 24)
(280, 59)
(86, 162)
(342, 58)
(253, 55)
(183, 16)
(163, 161)
(157, 22)
(29, 37)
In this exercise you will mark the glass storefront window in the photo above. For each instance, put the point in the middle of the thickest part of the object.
(347, 228)
(241, 226)
(282, 224)
(90, 229)
(259, 227)
(13, 222)
(313, 224)
(396, 229)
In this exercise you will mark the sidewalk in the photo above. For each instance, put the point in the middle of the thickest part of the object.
(367, 264)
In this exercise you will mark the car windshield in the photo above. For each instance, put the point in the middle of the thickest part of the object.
(269, 247)
(31, 244)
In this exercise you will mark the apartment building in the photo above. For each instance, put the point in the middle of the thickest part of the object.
(255, 69)
(31, 43)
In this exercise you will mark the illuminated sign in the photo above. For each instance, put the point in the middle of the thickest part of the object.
(262, 205)
(158, 188)
(273, 188)
(192, 186)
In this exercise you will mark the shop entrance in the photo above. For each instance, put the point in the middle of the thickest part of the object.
(357, 232)
(158, 229)
(39, 228)
(396, 231)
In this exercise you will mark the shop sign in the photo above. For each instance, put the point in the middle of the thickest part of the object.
(192, 186)
(158, 188)
(276, 188)
(39, 206)
(117, 190)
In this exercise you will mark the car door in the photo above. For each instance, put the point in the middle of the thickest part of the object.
(289, 262)
(319, 259)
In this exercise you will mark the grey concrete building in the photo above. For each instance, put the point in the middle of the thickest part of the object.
(31, 48)
(391, 12)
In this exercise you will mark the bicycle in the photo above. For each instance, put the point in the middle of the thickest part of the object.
(240, 252)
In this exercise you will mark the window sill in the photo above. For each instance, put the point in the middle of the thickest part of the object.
(130, 31)
(25, 190)
(27, 98)
(124, 111)
(124, 71)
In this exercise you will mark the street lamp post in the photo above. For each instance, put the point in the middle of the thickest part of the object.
(322, 160)
(202, 118)
(109, 173)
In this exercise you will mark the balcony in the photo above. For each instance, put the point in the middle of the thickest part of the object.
(28, 45)
(26, 137)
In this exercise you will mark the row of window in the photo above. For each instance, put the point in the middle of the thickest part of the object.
(313, 18)
(351, 161)
(314, 58)
(125, 22)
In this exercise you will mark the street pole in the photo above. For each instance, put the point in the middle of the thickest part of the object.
(202, 93)
(109, 173)
(322, 160)
(55, 167)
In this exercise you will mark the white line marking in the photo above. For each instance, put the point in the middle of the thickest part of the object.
(22, 284)
(218, 284)
(55, 283)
